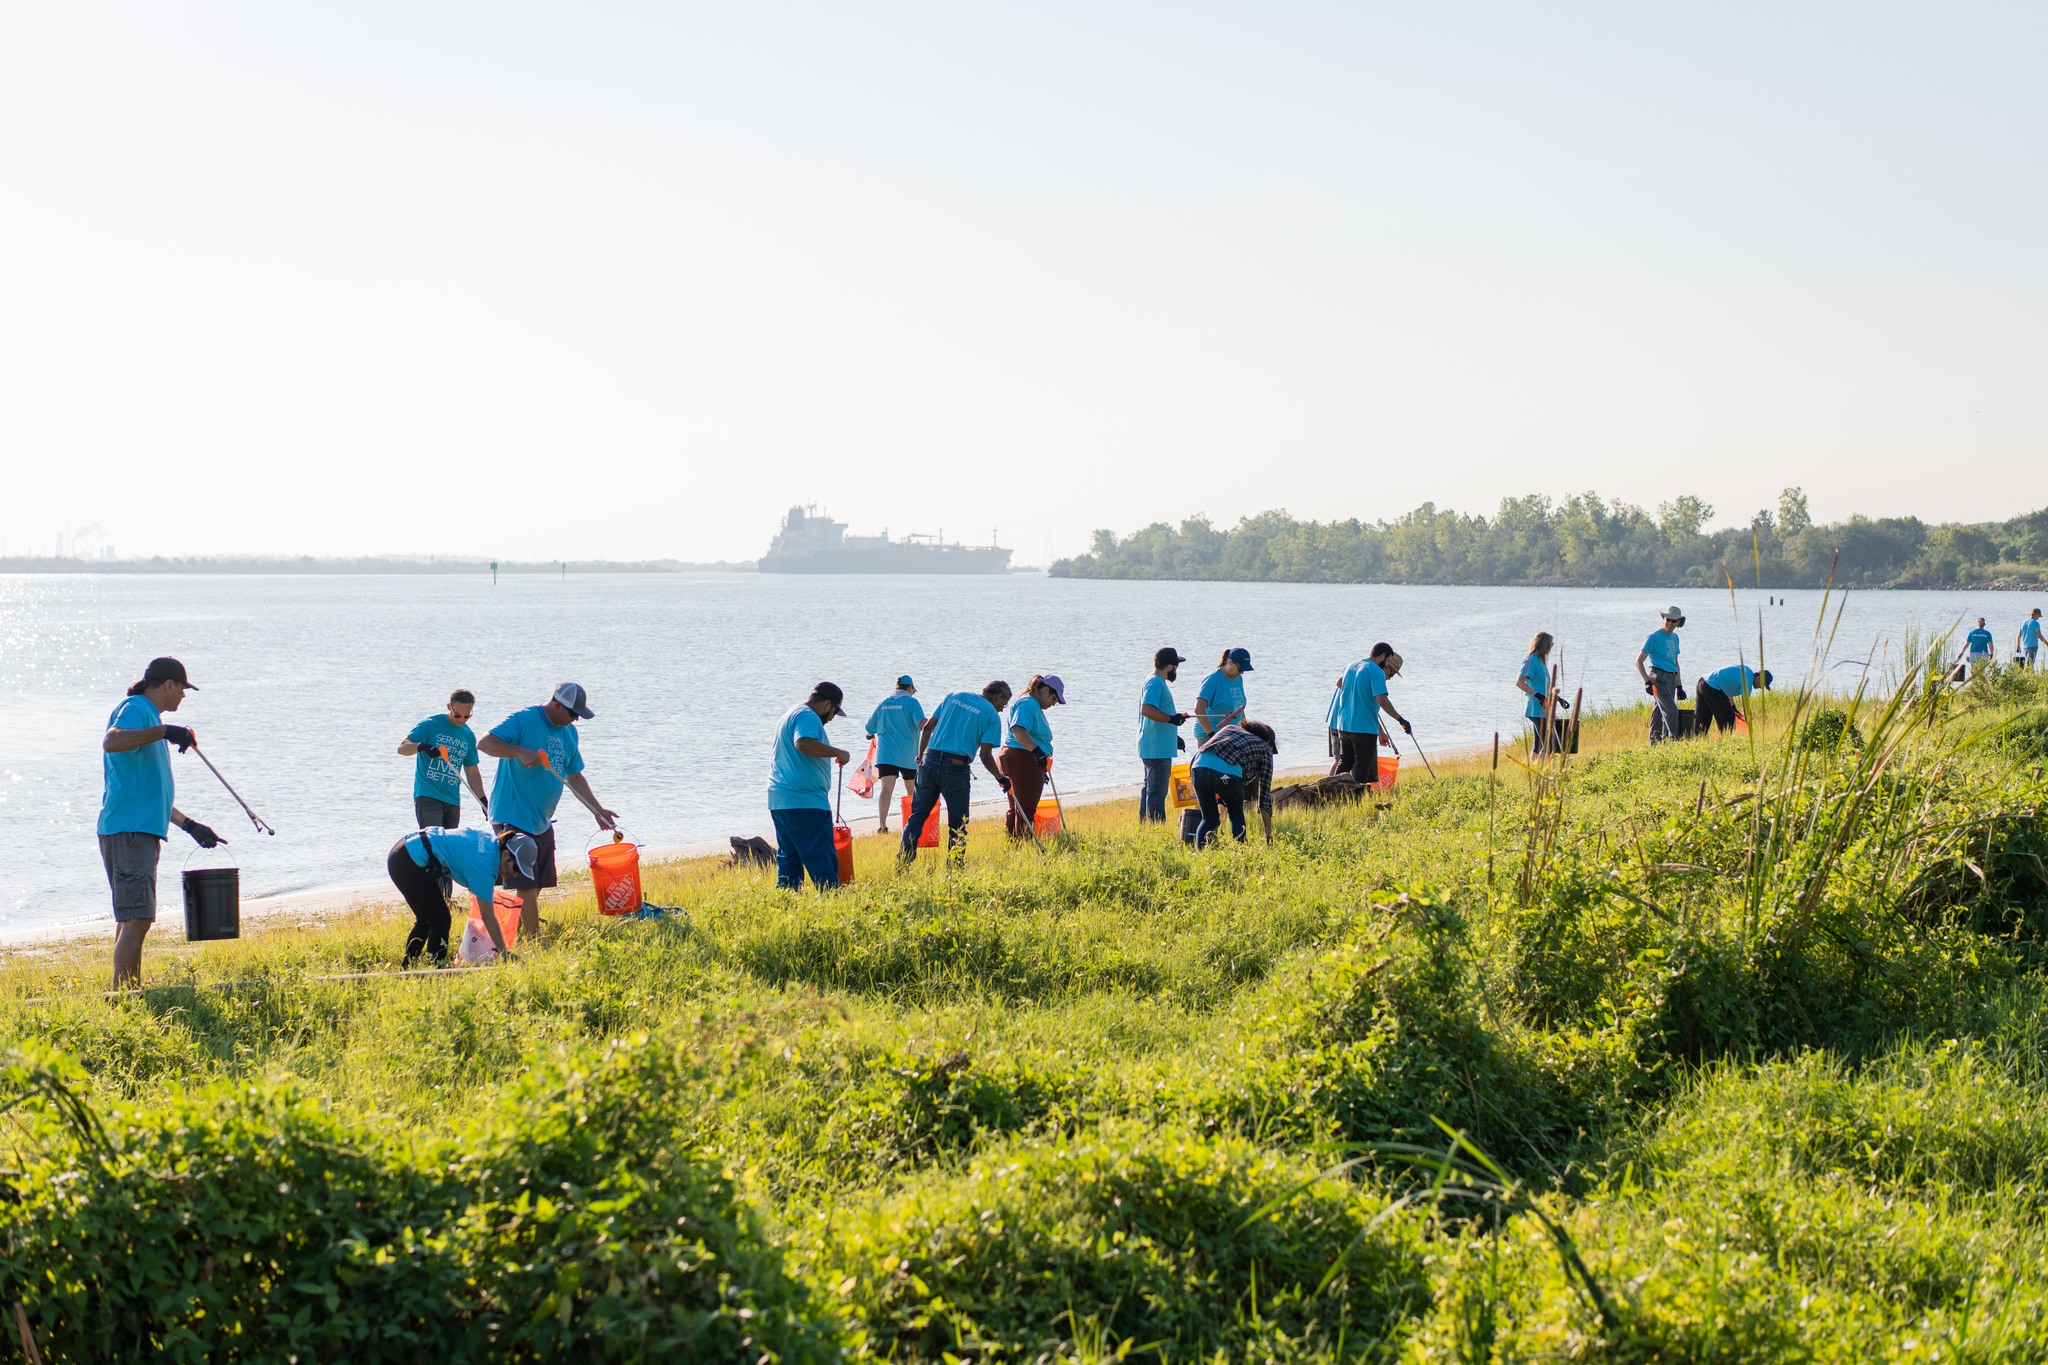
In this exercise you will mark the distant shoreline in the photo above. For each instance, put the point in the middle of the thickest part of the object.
(368, 564)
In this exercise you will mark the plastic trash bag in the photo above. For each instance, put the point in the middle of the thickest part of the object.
(477, 948)
(862, 783)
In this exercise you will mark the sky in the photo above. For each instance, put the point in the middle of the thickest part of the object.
(627, 281)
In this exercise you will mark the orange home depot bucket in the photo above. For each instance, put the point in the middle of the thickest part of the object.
(842, 844)
(1390, 773)
(615, 875)
(928, 837)
(1048, 820)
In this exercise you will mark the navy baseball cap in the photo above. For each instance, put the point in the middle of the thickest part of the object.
(572, 696)
(167, 669)
(1242, 658)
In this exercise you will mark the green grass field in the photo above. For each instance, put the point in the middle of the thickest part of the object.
(1731, 1050)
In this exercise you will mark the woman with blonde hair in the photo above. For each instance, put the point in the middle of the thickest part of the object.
(1536, 682)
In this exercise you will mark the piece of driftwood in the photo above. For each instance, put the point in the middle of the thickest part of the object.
(1323, 791)
(754, 852)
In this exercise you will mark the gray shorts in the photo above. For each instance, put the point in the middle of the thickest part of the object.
(131, 859)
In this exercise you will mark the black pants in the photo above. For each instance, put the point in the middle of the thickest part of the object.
(1212, 788)
(1711, 704)
(1359, 755)
(421, 887)
(431, 812)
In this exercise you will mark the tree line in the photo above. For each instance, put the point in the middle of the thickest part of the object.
(1582, 541)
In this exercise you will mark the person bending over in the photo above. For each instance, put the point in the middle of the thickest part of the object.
(961, 725)
(1235, 764)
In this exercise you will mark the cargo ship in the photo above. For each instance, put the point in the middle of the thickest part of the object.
(810, 543)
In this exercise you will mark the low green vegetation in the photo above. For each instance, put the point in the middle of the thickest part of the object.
(1735, 1049)
(1588, 541)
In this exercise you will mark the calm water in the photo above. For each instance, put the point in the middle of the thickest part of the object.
(309, 683)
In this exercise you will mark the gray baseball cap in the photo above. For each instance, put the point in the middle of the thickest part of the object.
(572, 696)
(524, 851)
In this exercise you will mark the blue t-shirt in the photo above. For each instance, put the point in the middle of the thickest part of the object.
(1205, 759)
(522, 797)
(1537, 674)
(1981, 641)
(1735, 680)
(966, 721)
(1157, 738)
(1225, 697)
(137, 794)
(1026, 713)
(1358, 707)
(470, 855)
(895, 725)
(2030, 633)
(1662, 647)
(799, 781)
(432, 775)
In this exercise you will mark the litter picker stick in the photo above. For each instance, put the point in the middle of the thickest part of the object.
(1029, 823)
(1425, 757)
(1056, 803)
(262, 826)
(562, 778)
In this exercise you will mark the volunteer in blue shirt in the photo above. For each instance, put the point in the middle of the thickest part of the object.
(1539, 704)
(894, 727)
(1027, 752)
(440, 747)
(1981, 648)
(135, 806)
(1657, 666)
(538, 755)
(1159, 733)
(1221, 700)
(800, 791)
(1718, 691)
(962, 725)
(425, 861)
(1234, 764)
(2030, 636)
(1361, 697)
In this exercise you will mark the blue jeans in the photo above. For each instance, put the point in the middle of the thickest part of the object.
(1152, 798)
(1210, 788)
(941, 774)
(803, 843)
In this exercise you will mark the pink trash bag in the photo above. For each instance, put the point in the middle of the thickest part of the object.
(862, 783)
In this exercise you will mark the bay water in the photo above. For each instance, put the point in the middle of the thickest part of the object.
(308, 683)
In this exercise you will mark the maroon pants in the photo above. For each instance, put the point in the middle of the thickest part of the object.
(1027, 783)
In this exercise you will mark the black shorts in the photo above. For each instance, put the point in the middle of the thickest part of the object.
(543, 863)
(896, 770)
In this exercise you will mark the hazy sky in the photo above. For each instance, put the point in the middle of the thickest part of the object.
(628, 280)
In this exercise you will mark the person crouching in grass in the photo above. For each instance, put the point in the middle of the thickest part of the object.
(426, 860)
(800, 791)
(1234, 764)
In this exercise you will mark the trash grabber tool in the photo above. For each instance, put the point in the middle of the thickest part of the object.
(562, 778)
(1029, 823)
(1425, 757)
(1056, 803)
(262, 826)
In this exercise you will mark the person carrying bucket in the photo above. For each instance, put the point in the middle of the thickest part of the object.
(441, 746)
(800, 791)
(1159, 734)
(538, 755)
(1361, 697)
(428, 859)
(960, 726)
(1234, 764)
(1027, 752)
(1657, 666)
(136, 811)
(894, 727)
(1221, 700)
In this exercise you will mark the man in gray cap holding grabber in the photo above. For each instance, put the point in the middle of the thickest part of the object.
(538, 755)
(135, 808)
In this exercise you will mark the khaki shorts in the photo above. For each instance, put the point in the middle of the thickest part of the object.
(131, 859)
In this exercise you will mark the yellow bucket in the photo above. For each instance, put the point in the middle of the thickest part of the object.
(1183, 788)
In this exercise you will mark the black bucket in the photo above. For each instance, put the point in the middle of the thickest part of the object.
(1189, 820)
(213, 903)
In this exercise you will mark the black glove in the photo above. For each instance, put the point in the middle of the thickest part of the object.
(1045, 760)
(486, 805)
(1681, 691)
(181, 737)
(1180, 745)
(1180, 718)
(1406, 728)
(433, 751)
(1649, 689)
(1563, 705)
(201, 834)
(1004, 783)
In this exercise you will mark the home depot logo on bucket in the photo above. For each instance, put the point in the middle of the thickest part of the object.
(615, 876)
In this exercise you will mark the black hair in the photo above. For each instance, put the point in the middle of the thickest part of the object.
(1381, 648)
(137, 688)
(462, 696)
(1264, 732)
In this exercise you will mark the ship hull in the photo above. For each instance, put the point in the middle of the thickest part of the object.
(893, 560)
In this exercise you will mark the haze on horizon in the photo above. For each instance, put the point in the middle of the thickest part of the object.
(628, 280)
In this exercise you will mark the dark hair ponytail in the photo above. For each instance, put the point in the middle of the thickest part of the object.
(137, 688)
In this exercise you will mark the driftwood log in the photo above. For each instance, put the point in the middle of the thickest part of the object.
(1324, 791)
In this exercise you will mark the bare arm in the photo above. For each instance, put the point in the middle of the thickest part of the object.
(924, 736)
(988, 761)
(1387, 705)
(1024, 739)
(407, 748)
(817, 748)
(1266, 820)
(1151, 712)
(576, 783)
(118, 741)
(1642, 655)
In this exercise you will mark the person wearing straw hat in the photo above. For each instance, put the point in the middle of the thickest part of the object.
(894, 727)
(1657, 666)
(1027, 752)
(1717, 693)
(136, 810)
(1221, 700)
(959, 726)
(1159, 734)
(427, 860)
(539, 755)
(800, 791)
(1361, 697)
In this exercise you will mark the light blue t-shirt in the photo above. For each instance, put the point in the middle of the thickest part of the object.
(1157, 738)
(2030, 633)
(1981, 641)
(1537, 674)
(966, 721)
(1026, 713)
(1205, 759)
(522, 797)
(895, 725)
(1662, 647)
(1358, 707)
(800, 781)
(432, 775)
(470, 855)
(137, 793)
(1734, 681)
(1226, 702)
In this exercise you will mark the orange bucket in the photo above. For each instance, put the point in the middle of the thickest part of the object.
(615, 874)
(928, 837)
(1048, 820)
(1390, 773)
(842, 844)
